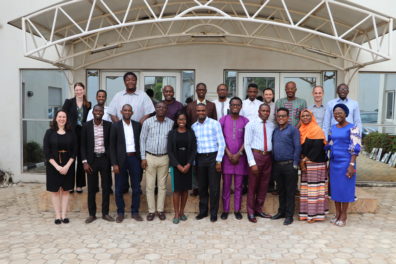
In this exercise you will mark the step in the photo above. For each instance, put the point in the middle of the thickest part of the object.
(366, 203)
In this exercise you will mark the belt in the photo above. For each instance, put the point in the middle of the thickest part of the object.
(157, 155)
(99, 155)
(262, 152)
(131, 153)
(284, 162)
(207, 154)
(60, 154)
(182, 148)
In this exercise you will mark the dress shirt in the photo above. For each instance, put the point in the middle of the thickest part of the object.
(105, 117)
(209, 137)
(139, 100)
(219, 105)
(286, 144)
(173, 108)
(318, 113)
(154, 136)
(353, 117)
(250, 109)
(129, 137)
(294, 106)
(98, 138)
(254, 138)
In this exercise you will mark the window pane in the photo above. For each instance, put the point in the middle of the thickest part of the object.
(390, 82)
(329, 85)
(262, 83)
(156, 83)
(390, 104)
(230, 80)
(304, 87)
(188, 83)
(114, 84)
(369, 85)
(33, 135)
(38, 92)
(92, 85)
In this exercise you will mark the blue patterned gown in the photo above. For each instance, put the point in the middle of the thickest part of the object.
(343, 143)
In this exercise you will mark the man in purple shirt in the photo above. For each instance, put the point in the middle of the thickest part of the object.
(234, 162)
(173, 105)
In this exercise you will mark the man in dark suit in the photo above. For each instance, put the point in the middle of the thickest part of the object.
(125, 159)
(95, 155)
(192, 117)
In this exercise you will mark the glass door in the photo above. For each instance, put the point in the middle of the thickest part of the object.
(263, 80)
(113, 82)
(157, 80)
(304, 81)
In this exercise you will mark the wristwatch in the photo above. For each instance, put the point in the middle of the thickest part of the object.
(352, 163)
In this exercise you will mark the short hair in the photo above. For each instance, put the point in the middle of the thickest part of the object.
(252, 85)
(127, 105)
(320, 86)
(150, 92)
(201, 83)
(226, 86)
(168, 85)
(342, 84)
(283, 109)
(201, 104)
(292, 83)
(236, 98)
(101, 91)
(129, 74)
(97, 105)
(264, 104)
(268, 89)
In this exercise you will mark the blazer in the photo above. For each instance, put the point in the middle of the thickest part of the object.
(192, 113)
(70, 107)
(50, 145)
(117, 142)
(88, 140)
(172, 147)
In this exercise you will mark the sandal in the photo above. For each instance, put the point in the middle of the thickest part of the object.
(183, 217)
(176, 220)
(340, 223)
(333, 220)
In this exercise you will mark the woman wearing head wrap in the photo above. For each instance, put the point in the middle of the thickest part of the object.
(344, 145)
(313, 189)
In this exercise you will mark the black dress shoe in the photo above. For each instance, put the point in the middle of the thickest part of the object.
(90, 219)
(201, 216)
(119, 218)
(65, 220)
(224, 216)
(252, 219)
(238, 215)
(278, 216)
(288, 220)
(71, 191)
(213, 218)
(244, 190)
(57, 221)
(262, 215)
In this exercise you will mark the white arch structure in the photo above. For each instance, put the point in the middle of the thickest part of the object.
(78, 33)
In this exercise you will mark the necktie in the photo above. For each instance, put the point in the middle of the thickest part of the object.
(265, 137)
(222, 109)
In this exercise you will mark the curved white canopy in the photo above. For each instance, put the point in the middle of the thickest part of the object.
(75, 34)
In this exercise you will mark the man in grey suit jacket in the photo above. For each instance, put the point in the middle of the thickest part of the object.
(125, 159)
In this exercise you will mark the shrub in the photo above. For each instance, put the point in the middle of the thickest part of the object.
(380, 140)
(32, 152)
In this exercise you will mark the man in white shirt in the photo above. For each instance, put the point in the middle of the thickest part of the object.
(139, 100)
(251, 105)
(222, 103)
(101, 96)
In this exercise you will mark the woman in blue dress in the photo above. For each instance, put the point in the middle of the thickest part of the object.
(344, 145)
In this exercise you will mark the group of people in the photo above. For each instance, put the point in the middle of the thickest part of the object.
(259, 144)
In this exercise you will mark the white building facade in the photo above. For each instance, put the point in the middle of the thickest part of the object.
(47, 46)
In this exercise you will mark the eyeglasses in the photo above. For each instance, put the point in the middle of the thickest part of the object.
(281, 116)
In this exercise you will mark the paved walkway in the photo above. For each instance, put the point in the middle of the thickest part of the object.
(30, 236)
(372, 170)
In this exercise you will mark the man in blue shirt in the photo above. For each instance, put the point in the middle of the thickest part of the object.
(353, 106)
(286, 149)
(210, 151)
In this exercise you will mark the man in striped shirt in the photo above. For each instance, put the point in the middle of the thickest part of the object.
(210, 151)
(155, 160)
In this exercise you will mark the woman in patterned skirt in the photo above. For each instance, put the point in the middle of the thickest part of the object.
(313, 189)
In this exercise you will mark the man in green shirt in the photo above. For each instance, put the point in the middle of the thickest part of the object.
(292, 103)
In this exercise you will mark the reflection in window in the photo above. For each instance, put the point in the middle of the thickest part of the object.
(156, 83)
(43, 93)
(390, 104)
(188, 83)
(92, 85)
(329, 85)
(230, 80)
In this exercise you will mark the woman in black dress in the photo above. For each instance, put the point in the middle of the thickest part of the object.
(77, 109)
(182, 147)
(60, 151)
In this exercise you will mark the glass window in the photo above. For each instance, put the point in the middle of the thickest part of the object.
(156, 83)
(230, 78)
(188, 83)
(368, 97)
(390, 104)
(43, 93)
(92, 85)
(329, 85)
